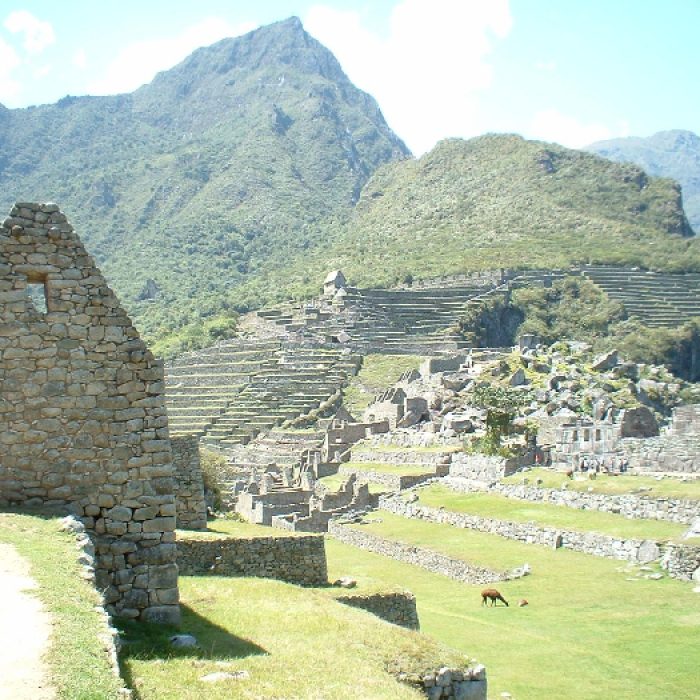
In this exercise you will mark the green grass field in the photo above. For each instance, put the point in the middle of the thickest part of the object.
(588, 631)
(293, 642)
(78, 664)
(668, 487)
(544, 514)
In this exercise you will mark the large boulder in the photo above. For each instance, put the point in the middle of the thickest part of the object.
(606, 361)
(638, 423)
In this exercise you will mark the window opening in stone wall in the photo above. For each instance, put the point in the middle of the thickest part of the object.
(37, 293)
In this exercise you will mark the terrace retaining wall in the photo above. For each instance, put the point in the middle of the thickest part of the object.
(630, 506)
(425, 558)
(399, 608)
(680, 559)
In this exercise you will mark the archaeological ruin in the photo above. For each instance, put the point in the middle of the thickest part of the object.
(82, 414)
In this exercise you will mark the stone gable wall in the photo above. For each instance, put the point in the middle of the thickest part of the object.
(82, 415)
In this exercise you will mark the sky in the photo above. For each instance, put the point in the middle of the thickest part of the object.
(569, 71)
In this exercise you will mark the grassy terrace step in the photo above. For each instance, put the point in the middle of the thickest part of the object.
(546, 515)
(290, 660)
(668, 487)
(619, 630)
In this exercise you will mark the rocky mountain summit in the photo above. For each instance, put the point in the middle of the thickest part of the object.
(228, 161)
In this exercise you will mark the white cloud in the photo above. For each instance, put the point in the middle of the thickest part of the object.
(9, 60)
(42, 71)
(138, 63)
(427, 73)
(546, 66)
(37, 33)
(552, 125)
(79, 59)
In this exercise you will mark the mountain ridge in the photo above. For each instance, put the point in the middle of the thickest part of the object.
(674, 153)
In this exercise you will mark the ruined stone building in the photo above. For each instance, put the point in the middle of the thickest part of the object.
(82, 415)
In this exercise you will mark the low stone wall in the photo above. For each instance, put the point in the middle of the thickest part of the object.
(399, 608)
(637, 551)
(404, 456)
(682, 561)
(396, 482)
(189, 483)
(300, 560)
(425, 558)
(457, 683)
(481, 468)
(641, 507)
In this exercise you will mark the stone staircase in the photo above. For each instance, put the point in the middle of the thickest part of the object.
(301, 379)
(201, 385)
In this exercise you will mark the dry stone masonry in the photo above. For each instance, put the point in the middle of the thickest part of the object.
(300, 560)
(82, 415)
(189, 484)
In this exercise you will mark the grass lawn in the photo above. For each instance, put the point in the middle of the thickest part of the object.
(668, 487)
(294, 643)
(78, 664)
(378, 372)
(224, 527)
(495, 506)
(588, 631)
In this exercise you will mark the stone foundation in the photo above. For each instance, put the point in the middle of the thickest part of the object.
(82, 416)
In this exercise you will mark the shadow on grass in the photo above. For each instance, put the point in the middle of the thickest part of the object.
(150, 642)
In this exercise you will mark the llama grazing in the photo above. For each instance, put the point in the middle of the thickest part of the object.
(493, 595)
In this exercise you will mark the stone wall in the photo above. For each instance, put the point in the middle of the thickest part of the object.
(82, 414)
(425, 558)
(396, 482)
(682, 561)
(641, 507)
(637, 551)
(457, 683)
(481, 468)
(189, 483)
(399, 608)
(300, 560)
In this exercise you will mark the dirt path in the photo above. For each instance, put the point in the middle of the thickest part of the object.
(24, 632)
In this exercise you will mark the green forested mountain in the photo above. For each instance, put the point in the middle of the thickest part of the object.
(501, 201)
(244, 174)
(674, 154)
(220, 167)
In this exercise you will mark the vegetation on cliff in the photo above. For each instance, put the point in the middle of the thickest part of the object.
(674, 154)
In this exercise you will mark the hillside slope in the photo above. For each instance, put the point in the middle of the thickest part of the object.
(674, 154)
(221, 167)
(501, 201)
